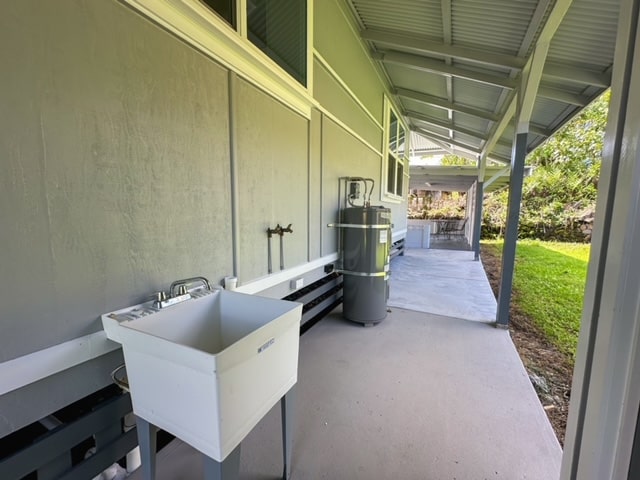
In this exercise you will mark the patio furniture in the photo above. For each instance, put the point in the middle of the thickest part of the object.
(450, 227)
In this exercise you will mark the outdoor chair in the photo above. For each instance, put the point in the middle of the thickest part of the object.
(451, 228)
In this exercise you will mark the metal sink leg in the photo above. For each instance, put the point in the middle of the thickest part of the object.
(227, 469)
(147, 440)
(286, 407)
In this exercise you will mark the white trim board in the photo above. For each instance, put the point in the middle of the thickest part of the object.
(395, 236)
(22, 371)
(192, 22)
(277, 278)
(27, 369)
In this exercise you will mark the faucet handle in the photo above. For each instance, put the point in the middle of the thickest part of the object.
(182, 290)
(158, 298)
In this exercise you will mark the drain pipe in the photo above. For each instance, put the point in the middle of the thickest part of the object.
(281, 232)
(134, 459)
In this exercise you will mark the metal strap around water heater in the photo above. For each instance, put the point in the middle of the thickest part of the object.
(362, 274)
(360, 225)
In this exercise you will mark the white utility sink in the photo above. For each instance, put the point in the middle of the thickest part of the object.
(209, 368)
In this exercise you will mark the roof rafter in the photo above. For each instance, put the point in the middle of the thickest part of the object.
(575, 75)
(443, 103)
(419, 45)
(501, 125)
(448, 125)
(439, 67)
(445, 9)
(532, 73)
(531, 76)
(451, 149)
(563, 96)
(507, 97)
(435, 136)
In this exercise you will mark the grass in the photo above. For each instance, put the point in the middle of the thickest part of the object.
(549, 285)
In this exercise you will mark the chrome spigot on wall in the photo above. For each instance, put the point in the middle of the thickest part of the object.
(280, 231)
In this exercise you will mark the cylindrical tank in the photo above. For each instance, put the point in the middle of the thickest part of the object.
(366, 236)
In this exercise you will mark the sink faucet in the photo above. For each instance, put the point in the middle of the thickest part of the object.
(181, 285)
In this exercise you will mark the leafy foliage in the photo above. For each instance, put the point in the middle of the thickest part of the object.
(455, 160)
(562, 189)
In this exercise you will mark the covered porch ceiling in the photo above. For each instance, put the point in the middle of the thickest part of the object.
(456, 67)
(457, 178)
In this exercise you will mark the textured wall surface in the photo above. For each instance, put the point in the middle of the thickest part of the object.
(349, 60)
(343, 155)
(337, 100)
(315, 184)
(272, 175)
(115, 149)
(115, 140)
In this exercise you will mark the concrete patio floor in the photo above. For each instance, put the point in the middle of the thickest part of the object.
(442, 282)
(419, 396)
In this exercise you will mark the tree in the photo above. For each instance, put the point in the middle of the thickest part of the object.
(454, 160)
(563, 187)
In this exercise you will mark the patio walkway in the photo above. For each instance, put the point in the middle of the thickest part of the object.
(442, 282)
(418, 396)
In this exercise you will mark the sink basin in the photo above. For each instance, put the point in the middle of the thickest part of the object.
(209, 368)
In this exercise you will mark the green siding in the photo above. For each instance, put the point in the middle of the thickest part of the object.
(337, 43)
(272, 175)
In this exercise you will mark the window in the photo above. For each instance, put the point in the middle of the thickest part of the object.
(279, 29)
(396, 149)
(264, 41)
(225, 8)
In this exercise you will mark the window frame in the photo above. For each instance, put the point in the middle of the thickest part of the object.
(392, 155)
(201, 27)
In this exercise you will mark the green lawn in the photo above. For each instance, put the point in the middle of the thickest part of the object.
(549, 285)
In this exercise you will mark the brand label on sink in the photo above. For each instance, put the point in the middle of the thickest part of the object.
(266, 345)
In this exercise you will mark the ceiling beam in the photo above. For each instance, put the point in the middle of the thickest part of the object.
(499, 128)
(499, 158)
(539, 130)
(495, 177)
(447, 125)
(532, 73)
(444, 104)
(445, 9)
(424, 46)
(507, 96)
(530, 76)
(439, 67)
(575, 75)
(562, 96)
(534, 26)
(455, 143)
(453, 151)
(445, 170)
(469, 155)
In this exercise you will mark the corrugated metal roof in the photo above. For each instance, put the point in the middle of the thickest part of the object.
(498, 25)
(411, 16)
(482, 45)
(421, 145)
(475, 94)
(584, 39)
(412, 79)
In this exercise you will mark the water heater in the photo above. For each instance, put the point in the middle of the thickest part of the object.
(365, 238)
